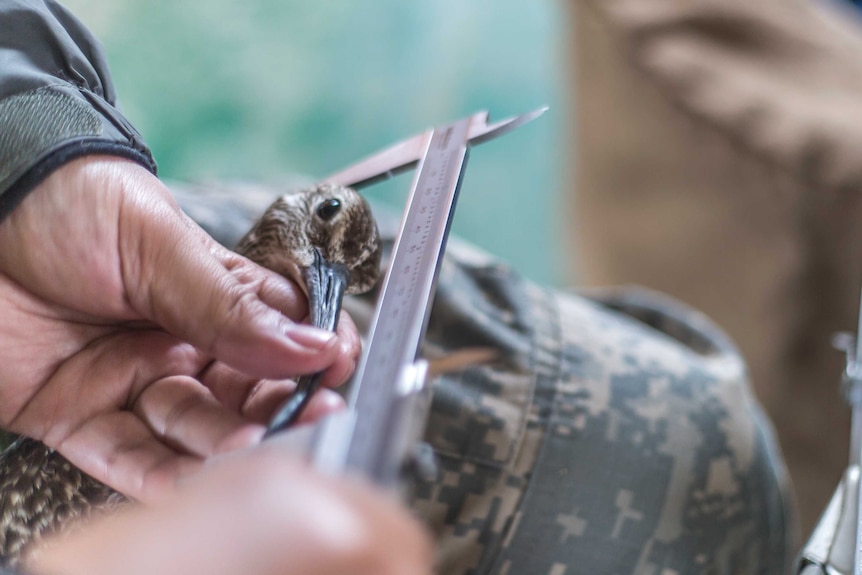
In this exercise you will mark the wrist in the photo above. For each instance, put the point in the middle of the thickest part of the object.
(45, 128)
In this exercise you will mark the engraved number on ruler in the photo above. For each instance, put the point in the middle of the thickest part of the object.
(413, 261)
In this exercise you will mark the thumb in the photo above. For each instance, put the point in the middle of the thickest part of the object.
(244, 315)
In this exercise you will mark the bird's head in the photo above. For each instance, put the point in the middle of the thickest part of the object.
(325, 239)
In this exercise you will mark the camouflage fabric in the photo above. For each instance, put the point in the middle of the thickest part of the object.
(614, 433)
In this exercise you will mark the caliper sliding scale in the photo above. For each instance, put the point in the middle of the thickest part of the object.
(387, 407)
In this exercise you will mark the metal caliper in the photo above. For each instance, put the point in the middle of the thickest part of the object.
(378, 434)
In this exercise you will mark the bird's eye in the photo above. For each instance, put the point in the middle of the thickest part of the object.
(327, 210)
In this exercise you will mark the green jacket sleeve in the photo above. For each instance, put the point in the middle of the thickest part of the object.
(57, 101)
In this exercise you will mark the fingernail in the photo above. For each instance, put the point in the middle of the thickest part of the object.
(309, 337)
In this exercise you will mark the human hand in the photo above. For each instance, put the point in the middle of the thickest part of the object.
(132, 342)
(255, 512)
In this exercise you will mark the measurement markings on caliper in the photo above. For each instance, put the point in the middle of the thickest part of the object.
(407, 288)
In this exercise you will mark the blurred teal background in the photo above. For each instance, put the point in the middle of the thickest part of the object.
(258, 89)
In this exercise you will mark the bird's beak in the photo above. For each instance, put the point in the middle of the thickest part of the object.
(326, 283)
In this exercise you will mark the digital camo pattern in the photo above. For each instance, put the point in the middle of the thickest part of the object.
(614, 433)
(49, 495)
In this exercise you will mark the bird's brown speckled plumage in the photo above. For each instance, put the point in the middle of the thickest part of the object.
(282, 239)
(42, 493)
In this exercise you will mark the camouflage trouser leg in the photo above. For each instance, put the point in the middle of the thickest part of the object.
(614, 434)
(611, 437)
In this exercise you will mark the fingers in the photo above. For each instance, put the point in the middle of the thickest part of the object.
(106, 375)
(178, 277)
(171, 415)
(181, 412)
(141, 382)
(256, 400)
(107, 243)
(103, 236)
(172, 426)
(271, 395)
(254, 512)
(118, 449)
(219, 308)
(324, 402)
(347, 526)
(348, 355)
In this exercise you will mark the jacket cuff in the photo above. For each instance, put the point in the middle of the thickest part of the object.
(43, 129)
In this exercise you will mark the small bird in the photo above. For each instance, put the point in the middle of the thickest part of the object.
(325, 239)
